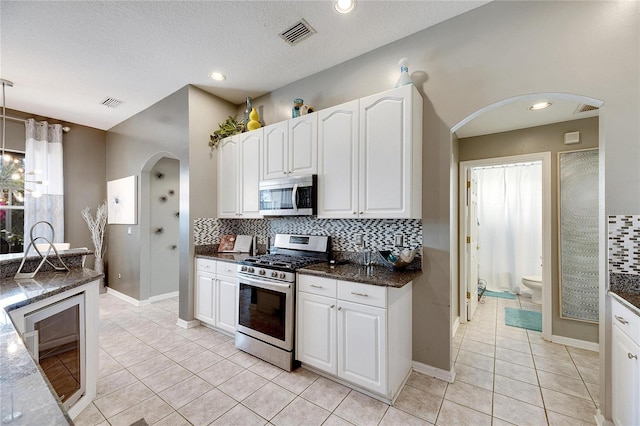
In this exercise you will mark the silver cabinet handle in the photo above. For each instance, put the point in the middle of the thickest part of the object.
(339, 308)
(355, 293)
(622, 320)
(315, 286)
(632, 356)
(332, 306)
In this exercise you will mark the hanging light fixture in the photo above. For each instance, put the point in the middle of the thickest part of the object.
(12, 174)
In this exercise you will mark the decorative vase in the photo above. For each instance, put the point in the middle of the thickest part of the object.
(404, 73)
(254, 122)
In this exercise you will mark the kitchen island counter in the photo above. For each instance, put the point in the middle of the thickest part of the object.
(374, 275)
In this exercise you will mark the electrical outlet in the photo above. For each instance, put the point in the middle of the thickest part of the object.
(399, 240)
(119, 276)
(358, 239)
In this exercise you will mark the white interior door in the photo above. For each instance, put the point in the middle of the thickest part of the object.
(471, 225)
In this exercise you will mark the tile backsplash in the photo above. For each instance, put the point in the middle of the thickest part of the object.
(624, 244)
(378, 233)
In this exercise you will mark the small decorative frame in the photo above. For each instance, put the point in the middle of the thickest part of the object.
(122, 201)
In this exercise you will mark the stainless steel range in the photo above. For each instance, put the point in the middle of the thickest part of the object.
(266, 296)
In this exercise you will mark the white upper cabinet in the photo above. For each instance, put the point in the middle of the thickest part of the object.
(391, 154)
(290, 148)
(338, 161)
(239, 174)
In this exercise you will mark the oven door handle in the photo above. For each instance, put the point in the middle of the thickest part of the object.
(280, 287)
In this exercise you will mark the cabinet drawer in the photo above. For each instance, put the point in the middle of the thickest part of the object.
(317, 285)
(227, 268)
(206, 265)
(366, 294)
(628, 321)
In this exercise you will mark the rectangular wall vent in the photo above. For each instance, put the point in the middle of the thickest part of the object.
(585, 108)
(111, 102)
(297, 32)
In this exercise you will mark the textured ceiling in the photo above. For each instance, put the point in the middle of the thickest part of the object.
(66, 57)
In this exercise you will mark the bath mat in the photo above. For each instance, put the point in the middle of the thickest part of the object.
(500, 294)
(530, 320)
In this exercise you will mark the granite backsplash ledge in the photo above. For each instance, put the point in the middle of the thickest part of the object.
(624, 283)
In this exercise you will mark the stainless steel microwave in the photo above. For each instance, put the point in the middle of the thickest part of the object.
(290, 196)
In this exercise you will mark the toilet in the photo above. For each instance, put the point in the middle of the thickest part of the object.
(534, 283)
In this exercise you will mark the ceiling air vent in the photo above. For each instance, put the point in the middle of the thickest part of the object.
(111, 102)
(298, 32)
(585, 108)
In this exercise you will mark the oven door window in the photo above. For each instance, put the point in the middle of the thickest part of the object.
(263, 310)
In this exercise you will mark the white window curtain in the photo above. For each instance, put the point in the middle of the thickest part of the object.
(43, 163)
(510, 225)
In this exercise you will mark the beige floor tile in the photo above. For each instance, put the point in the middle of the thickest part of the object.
(517, 412)
(113, 382)
(151, 410)
(589, 375)
(480, 348)
(240, 416)
(89, 416)
(563, 384)
(269, 400)
(594, 391)
(296, 381)
(518, 372)
(514, 345)
(141, 355)
(452, 414)
(201, 361)
(470, 396)
(551, 350)
(583, 352)
(521, 391)
(166, 378)
(128, 346)
(185, 391)
(334, 420)
(557, 419)
(472, 359)
(361, 409)
(515, 357)
(213, 339)
(569, 405)
(243, 359)
(556, 367)
(148, 368)
(169, 342)
(184, 352)
(301, 412)
(500, 422)
(225, 349)
(266, 370)
(474, 376)
(125, 398)
(220, 372)
(586, 361)
(513, 333)
(242, 385)
(428, 384)
(108, 366)
(480, 336)
(419, 403)
(207, 408)
(395, 417)
(326, 393)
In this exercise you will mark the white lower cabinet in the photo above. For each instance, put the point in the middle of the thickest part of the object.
(215, 295)
(625, 366)
(359, 333)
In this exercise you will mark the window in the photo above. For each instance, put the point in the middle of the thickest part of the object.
(12, 203)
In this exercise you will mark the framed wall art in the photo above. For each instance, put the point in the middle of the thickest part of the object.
(122, 201)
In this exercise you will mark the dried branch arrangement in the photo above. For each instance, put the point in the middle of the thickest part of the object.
(97, 227)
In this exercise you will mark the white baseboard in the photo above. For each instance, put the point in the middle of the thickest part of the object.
(126, 298)
(454, 329)
(187, 324)
(600, 420)
(576, 343)
(447, 376)
(160, 297)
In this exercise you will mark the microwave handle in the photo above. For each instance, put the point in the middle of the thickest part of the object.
(294, 197)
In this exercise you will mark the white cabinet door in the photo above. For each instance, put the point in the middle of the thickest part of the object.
(205, 297)
(275, 155)
(226, 306)
(338, 161)
(362, 352)
(303, 145)
(316, 329)
(390, 159)
(250, 159)
(625, 371)
(228, 185)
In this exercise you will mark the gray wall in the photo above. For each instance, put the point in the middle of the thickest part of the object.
(475, 60)
(541, 139)
(84, 172)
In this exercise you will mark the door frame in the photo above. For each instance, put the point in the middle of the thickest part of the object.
(545, 157)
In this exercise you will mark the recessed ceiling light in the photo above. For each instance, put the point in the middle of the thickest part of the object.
(217, 76)
(344, 6)
(540, 105)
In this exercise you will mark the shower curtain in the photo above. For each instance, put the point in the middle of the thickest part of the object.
(43, 162)
(510, 225)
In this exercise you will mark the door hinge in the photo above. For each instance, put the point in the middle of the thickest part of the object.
(468, 240)
(468, 184)
(468, 295)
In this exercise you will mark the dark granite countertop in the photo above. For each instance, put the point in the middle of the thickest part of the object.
(374, 275)
(21, 380)
(225, 257)
(627, 289)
